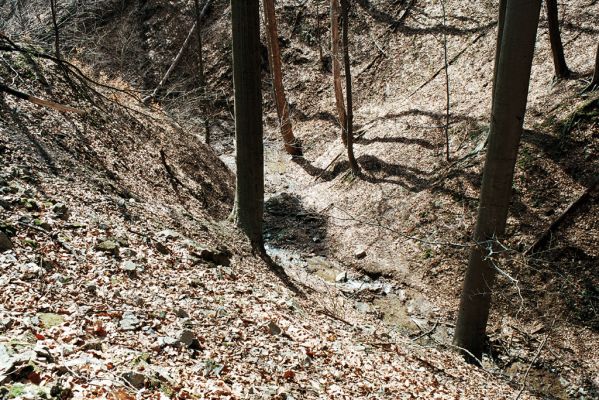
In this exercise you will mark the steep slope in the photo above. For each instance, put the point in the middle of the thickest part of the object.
(118, 281)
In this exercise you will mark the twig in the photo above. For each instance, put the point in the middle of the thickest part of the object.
(423, 334)
(36, 100)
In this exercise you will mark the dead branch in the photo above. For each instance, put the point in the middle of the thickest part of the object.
(179, 55)
(36, 100)
(557, 222)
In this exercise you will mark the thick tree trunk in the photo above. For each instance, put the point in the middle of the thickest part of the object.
(509, 106)
(201, 77)
(349, 119)
(500, 25)
(335, 57)
(249, 196)
(559, 60)
(274, 52)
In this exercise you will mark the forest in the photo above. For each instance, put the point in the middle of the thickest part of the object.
(299, 199)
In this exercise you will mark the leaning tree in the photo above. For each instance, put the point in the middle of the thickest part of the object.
(509, 106)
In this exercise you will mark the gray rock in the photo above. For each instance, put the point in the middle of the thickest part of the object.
(5, 243)
(164, 341)
(188, 339)
(181, 313)
(129, 322)
(135, 379)
(130, 266)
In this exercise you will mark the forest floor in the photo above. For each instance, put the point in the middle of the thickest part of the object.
(137, 290)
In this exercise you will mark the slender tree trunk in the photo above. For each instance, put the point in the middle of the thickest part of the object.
(509, 106)
(559, 60)
(447, 102)
(594, 85)
(349, 120)
(274, 52)
(249, 196)
(56, 31)
(335, 57)
(201, 77)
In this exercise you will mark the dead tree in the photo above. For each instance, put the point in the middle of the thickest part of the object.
(349, 119)
(274, 52)
(335, 57)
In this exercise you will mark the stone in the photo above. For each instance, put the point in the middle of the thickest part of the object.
(5, 243)
(30, 270)
(130, 267)
(360, 253)
(91, 288)
(341, 277)
(50, 319)
(108, 246)
(181, 313)
(188, 339)
(129, 322)
(220, 256)
(165, 341)
(135, 379)
(161, 248)
(274, 329)
(60, 211)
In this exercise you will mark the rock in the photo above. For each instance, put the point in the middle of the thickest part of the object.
(5, 243)
(30, 270)
(341, 277)
(131, 267)
(362, 307)
(181, 313)
(161, 248)
(274, 329)
(91, 288)
(135, 379)
(188, 339)
(168, 234)
(129, 322)
(108, 246)
(220, 256)
(60, 211)
(360, 253)
(60, 278)
(164, 341)
(49, 319)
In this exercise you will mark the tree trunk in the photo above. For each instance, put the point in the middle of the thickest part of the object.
(249, 196)
(509, 106)
(595, 81)
(500, 25)
(349, 118)
(56, 31)
(559, 60)
(201, 77)
(335, 57)
(291, 145)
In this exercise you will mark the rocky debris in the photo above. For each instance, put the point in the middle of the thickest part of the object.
(161, 248)
(274, 329)
(129, 322)
(220, 256)
(181, 313)
(164, 341)
(50, 320)
(5, 243)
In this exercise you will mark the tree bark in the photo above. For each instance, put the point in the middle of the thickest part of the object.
(335, 57)
(56, 31)
(559, 60)
(349, 118)
(249, 196)
(274, 54)
(509, 106)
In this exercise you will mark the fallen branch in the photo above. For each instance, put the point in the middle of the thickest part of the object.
(557, 222)
(38, 101)
(179, 54)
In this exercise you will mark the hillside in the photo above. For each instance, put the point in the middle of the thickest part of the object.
(126, 278)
